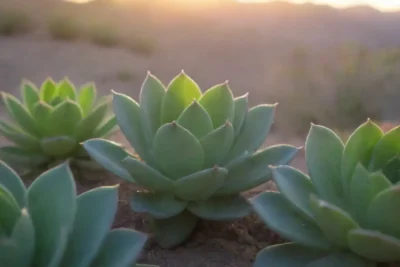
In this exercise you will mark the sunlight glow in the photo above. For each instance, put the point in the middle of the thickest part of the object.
(383, 5)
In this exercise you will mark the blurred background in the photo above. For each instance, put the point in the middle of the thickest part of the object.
(331, 62)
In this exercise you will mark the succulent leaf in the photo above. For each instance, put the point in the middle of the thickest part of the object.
(151, 97)
(41, 113)
(241, 105)
(341, 259)
(374, 245)
(254, 130)
(18, 136)
(250, 171)
(87, 126)
(177, 151)
(221, 208)
(281, 216)
(296, 187)
(181, 92)
(174, 230)
(364, 187)
(288, 255)
(64, 118)
(358, 149)
(15, 157)
(66, 90)
(87, 98)
(159, 205)
(93, 219)
(10, 211)
(120, 248)
(106, 128)
(216, 144)
(45, 196)
(127, 112)
(48, 90)
(109, 155)
(58, 146)
(218, 102)
(196, 120)
(20, 114)
(10, 180)
(146, 176)
(386, 149)
(382, 213)
(200, 185)
(335, 222)
(324, 151)
(30, 95)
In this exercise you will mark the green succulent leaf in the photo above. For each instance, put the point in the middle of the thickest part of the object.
(11, 181)
(200, 185)
(218, 102)
(359, 148)
(18, 157)
(382, 213)
(180, 93)
(177, 151)
(282, 217)
(87, 98)
(146, 176)
(175, 230)
(386, 149)
(64, 118)
(41, 113)
(20, 114)
(127, 112)
(241, 104)
(392, 170)
(30, 95)
(196, 120)
(254, 131)
(364, 187)
(52, 190)
(335, 222)
(151, 97)
(18, 137)
(93, 219)
(121, 247)
(159, 205)
(341, 259)
(66, 90)
(250, 171)
(106, 128)
(58, 146)
(48, 90)
(221, 208)
(87, 126)
(109, 155)
(374, 245)
(288, 255)
(324, 151)
(10, 210)
(216, 145)
(296, 187)
(19, 248)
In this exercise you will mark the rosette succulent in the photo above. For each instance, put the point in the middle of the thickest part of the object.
(197, 153)
(49, 123)
(346, 212)
(48, 225)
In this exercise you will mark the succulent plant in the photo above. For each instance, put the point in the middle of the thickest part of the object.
(50, 122)
(48, 225)
(346, 212)
(197, 153)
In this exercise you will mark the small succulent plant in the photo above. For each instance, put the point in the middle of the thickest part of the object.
(197, 153)
(47, 225)
(346, 212)
(50, 122)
